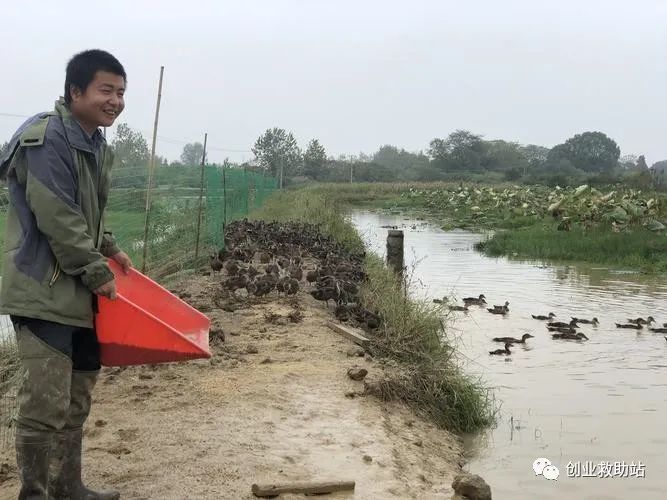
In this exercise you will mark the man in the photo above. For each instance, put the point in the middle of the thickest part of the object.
(57, 169)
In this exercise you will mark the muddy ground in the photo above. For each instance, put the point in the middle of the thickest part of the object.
(273, 404)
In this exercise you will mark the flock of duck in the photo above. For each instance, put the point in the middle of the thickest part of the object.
(560, 330)
(261, 257)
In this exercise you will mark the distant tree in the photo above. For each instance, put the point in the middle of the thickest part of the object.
(192, 154)
(277, 151)
(502, 156)
(400, 159)
(641, 163)
(462, 151)
(536, 155)
(314, 159)
(627, 162)
(130, 147)
(590, 152)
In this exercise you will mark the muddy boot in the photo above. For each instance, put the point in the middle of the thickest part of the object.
(43, 400)
(66, 483)
(32, 460)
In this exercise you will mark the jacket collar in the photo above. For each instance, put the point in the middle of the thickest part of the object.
(76, 136)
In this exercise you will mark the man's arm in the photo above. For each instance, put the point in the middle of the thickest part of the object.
(50, 182)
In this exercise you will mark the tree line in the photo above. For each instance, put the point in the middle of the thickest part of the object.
(589, 157)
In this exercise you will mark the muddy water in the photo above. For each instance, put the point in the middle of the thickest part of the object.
(604, 400)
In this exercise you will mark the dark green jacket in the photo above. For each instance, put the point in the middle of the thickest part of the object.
(55, 244)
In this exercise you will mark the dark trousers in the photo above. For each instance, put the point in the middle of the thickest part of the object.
(78, 344)
(61, 364)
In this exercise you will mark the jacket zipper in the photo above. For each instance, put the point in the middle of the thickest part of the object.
(56, 274)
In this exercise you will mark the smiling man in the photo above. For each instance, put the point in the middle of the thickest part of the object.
(57, 168)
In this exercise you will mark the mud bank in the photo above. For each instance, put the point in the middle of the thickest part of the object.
(273, 404)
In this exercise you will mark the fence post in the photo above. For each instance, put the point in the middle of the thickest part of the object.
(151, 167)
(201, 196)
(395, 251)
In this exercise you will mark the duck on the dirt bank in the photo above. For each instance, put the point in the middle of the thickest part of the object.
(479, 301)
(543, 318)
(593, 321)
(512, 340)
(569, 336)
(557, 324)
(215, 262)
(500, 352)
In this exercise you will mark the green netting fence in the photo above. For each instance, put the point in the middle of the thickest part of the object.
(187, 216)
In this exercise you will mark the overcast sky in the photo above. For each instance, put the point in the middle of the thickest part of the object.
(356, 74)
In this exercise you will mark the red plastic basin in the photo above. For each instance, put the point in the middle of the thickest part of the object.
(147, 324)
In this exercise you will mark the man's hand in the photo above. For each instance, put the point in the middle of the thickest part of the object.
(123, 260)
(107, 290)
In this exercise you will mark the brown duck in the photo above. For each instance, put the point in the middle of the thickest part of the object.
(479, 301)
(512, 340)
(555, 324)
(631, 326)
(216, 263)
(658, 330)
(642, 321)
(501, 352)
(569, 336)
(543, 318)
(497, 311)
(593, 321)
(561, 329)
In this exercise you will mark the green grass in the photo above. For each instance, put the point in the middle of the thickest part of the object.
(426, 375)
(637, 249)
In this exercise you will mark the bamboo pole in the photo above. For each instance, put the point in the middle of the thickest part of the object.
(151, 167)
(201, 196)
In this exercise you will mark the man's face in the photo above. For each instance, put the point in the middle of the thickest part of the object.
(100, 103)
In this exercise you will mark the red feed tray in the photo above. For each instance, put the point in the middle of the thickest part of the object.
(147, 324)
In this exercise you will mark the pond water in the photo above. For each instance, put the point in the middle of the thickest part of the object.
(594, 408)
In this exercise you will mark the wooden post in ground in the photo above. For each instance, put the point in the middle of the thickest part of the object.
(151, 168)
(395, 251)
(201, 197)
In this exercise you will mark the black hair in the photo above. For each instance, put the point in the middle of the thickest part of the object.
(82, 67)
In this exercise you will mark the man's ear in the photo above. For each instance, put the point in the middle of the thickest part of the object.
(74, 92)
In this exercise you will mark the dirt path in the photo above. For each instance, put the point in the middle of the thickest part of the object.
(270, 406)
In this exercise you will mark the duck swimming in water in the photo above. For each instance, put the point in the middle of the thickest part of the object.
(658, 330)
(556, 324)
(642, 321)
(479, 301)
(593, 321)
(501, 352)
(512, 340)
(504, 306)
(543, 318)
(497, 311)
(561, 329)
(631, 326)
(569, 336)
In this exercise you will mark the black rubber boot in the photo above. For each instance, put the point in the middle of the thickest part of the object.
(32, 459)
(66, 483)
